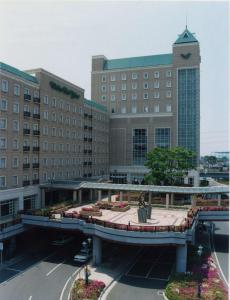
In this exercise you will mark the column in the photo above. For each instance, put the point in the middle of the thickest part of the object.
(150, 198)
(21, 201)
(99, 195)
(121, 196)
(91, 195)
(43, 198)
(193, 200)
(79, 196)
(75, 196)
(167, 201)
(128, 197)
(109, 195)
(181, 258)
(219, 199)
(172, 199)
(97, 248)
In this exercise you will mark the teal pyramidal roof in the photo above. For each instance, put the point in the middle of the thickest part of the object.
(95, 104)
(186, 37)
(141, 61)
(17, 72)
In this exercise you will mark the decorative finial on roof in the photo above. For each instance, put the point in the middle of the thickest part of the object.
(186, 27)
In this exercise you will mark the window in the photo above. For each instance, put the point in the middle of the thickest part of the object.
(113, 78)
(134, 85)
(133, 109)
(15, 144)
(134, 96)
(2, 162)
(103, 98)
(15, 125)
(46, 100)
(162, 137)
(156, 108)
(145, 85)
(2, 184)
(123, 76)
(146, 75)
(4, 104)
(54, 102)
(68, 107)
(53, 131)
(54, 117)
(103, 88)
(3, 123)
(3, 143)
(61, 104)
(45, 130)
(156, 95)
(139, 146)
(112, 97)
(123, 97)
(168, 108)
(15, 162)
(168, 94)
(14, 180)
(45, 115)
(112, 110)
(145, 108)
(123, 110)
(26, 91)
(35, 126)
(134, 75)
(156, 74)
(145, 96)
(113, 88)
(16, 107)
(26, 143)
(123, 87)
(168, 73)
(168, 83)
(26, 108)
(156, 84)
(45, 176)
(36, 94)
(103, 78)
(4, 85)
(16, 90)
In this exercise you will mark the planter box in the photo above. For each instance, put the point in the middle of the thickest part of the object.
(90, 213)
(121, 209)
(142, 215)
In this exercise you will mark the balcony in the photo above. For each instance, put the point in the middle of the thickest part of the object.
(26, 166)
(85, 139)
(36, 149)
(26, 131)
(90, 127)
(36, 116)
(85, 127)
(36, 100)
(25, 182)
(27, 97)
(85, 151)
(90, 139)
(35, 181)
(90, 163)
(85, 115)
(90, 151)
(90, 116)
(85, 163)
(36, 132)
(35, 165)
(26, 148)
(26, 114)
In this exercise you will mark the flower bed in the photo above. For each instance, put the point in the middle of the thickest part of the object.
(104, 204)
(183, 287)
(120, 208)
(91, 291)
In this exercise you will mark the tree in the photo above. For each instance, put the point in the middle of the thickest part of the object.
(168, 166)
(210, 159)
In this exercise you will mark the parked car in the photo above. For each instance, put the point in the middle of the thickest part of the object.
(83, 256)
(62, 240)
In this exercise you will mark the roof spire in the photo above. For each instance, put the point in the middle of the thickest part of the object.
(186, 22)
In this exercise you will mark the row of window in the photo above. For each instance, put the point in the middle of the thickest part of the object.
(134, 86)
(134, 96)
(15, 179)
(17, 89)
(145, 75)
(15, 143)
(146, 109)
(3, 124)
(16, 107)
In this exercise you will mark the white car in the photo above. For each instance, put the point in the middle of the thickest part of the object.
(83, 256)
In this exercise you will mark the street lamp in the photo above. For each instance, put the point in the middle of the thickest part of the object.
(199, 252)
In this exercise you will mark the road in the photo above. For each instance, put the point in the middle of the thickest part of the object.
(221, 244)
(44, 274)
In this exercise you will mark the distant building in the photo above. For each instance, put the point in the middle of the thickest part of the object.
(221, 154)
(153, 101)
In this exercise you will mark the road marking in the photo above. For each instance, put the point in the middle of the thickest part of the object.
(53, 269)
(30, 297)
(63, 290)
(213, 226)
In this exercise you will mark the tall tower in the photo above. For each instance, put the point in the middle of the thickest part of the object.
(186, 62)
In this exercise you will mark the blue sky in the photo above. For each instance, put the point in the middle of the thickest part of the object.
(62, 36)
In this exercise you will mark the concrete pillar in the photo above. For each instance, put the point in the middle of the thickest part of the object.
(167, 201)
(79, 196)
(75, 196)
(193, 200)
(128, 196)
(43, 197)
(150, 198)
(219, 199)
(97, 249)
(172, 199)
(181, 258)
(121, 196)
(99, 195)
(109, 195)
(21, 201)
(91, 195)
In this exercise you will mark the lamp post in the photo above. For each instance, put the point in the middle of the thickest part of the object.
(199, 252)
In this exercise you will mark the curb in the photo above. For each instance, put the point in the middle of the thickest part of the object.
(165, 297)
